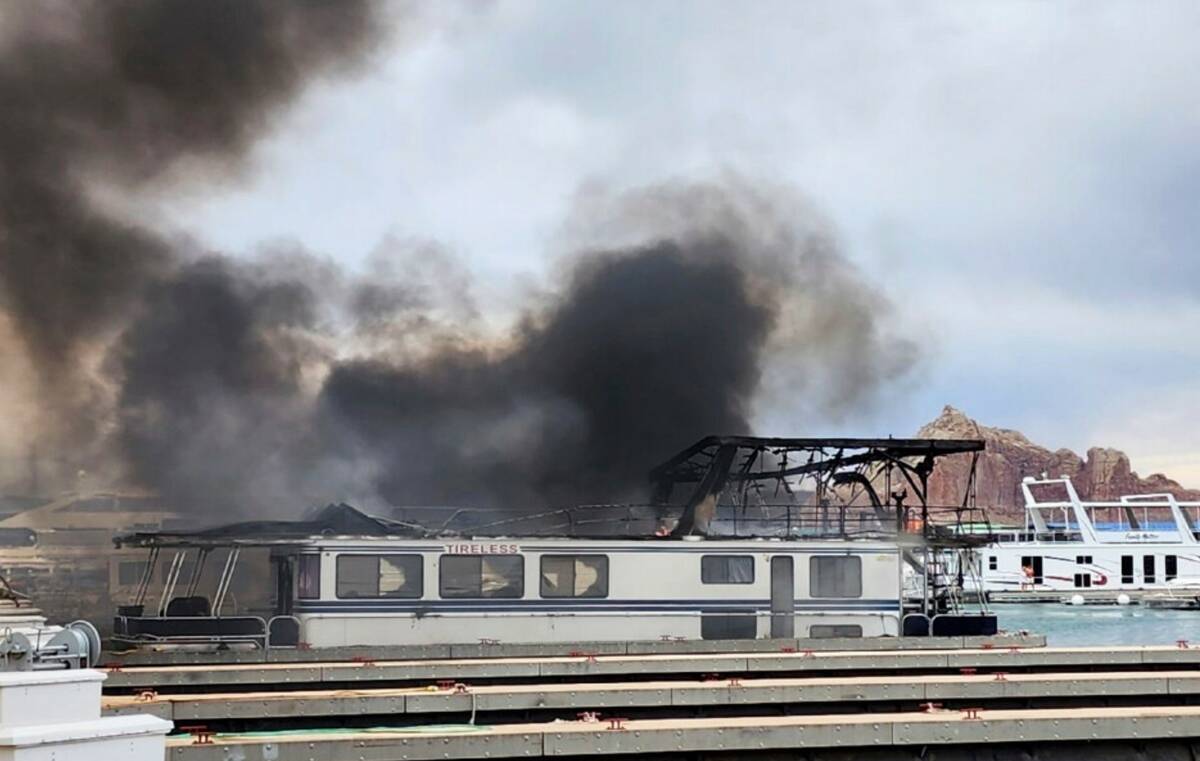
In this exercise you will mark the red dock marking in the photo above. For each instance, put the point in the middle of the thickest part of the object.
(987, 646)
(735, 682)
(1001, 676)
(971, 713)
(201, 735)
(363, 660)
(787, 649)
(1182, 644)
(446, 684)
(968, 670)
(615, 722)
(146, 696)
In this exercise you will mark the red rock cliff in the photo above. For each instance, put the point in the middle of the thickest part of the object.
(1103, 474)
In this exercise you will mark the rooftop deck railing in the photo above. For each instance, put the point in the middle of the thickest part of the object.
(951, 524)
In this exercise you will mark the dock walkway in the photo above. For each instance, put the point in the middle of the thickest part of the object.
(416, 704)
(580, 739)
(587, 666)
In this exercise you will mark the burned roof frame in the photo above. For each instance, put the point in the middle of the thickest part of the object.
(714, 464)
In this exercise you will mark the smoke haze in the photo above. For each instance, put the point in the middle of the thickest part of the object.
(267, 384)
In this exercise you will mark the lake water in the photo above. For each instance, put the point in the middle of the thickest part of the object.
(1101, 624)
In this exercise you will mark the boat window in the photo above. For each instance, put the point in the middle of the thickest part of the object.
(727, 569)
(723, 625)
(574, 576)
(830, 631)
(1170, 566)
(482, 576)
(992, 562)
(1083, 560)
(835, 576)
(1148, 569)
(1127, 569)
(361, 576)
(308, 577)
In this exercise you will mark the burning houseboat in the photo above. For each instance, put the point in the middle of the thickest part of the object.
(744, 538)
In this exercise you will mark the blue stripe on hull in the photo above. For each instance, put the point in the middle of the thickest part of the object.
(631, 607)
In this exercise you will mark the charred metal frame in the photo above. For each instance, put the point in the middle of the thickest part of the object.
(726, 470)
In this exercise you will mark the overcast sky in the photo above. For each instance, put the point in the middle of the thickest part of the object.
(1021, 179)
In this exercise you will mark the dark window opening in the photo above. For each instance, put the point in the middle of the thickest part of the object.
(367, 576)
(482, 576)
(1127, 569)
(727, 569)
(726, 626)
(835, 576)
(992, 563)
(1031, 566)
(574, 576)
(1148, 569)
(308, 577)
(1170, 567)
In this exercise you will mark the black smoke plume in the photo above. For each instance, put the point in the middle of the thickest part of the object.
(118, 95)
(673, 301)
(270, 383)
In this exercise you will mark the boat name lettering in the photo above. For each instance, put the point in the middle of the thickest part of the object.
(493, 548)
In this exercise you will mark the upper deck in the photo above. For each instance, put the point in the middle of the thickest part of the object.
(1054, 512)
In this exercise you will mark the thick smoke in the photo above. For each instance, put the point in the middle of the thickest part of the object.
(269, 384)
(674, 301)
(121, 94)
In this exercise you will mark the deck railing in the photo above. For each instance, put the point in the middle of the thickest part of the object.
(939, 524)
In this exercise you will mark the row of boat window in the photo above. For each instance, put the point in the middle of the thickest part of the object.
(1032, 565)
(503, 576)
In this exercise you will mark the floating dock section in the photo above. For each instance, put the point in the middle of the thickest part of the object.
(457, 701)
(740, 736)
(484, 670)
(992, 701)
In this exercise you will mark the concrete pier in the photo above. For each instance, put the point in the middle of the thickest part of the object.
(416, 703)
(175, 657)
(743, 735)
(579, 667)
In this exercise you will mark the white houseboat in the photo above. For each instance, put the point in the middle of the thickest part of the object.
(1135, 543)
(720, 564)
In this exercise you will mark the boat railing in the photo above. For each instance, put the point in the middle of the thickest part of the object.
(1161, 515)
(766, 520)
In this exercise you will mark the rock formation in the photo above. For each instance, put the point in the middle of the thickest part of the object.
(1102, 475)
